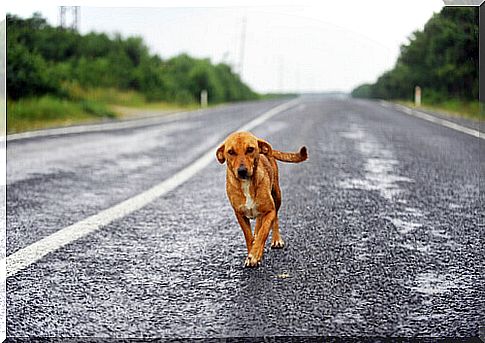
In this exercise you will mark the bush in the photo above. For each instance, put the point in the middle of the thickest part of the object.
(43, 59)
(27, 74)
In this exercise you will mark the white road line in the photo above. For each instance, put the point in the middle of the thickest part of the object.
(34, 252)
(126, 124)
(442, 122)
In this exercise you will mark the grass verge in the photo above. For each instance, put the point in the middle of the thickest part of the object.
(111, 96)
(83, 106)
(47, 111)
(454, 108)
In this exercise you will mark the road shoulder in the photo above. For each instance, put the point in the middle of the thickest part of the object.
(103, 126)
(466, 122)
(474, 128)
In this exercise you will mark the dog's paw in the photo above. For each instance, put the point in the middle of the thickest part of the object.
(279, 244)
(251, 261)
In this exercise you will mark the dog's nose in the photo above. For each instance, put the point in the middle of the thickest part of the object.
(242, 172)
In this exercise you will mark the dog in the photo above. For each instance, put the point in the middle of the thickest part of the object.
(253, 188)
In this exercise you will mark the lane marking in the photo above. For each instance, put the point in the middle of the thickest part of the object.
(24, 257)
(433, 119)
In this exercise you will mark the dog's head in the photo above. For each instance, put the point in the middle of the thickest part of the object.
(241, 150)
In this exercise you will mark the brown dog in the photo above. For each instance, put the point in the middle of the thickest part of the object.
(253, 189)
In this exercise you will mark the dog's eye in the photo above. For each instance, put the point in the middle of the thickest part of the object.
(231, 152)
(249, 150)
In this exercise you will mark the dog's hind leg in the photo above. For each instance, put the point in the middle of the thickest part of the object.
(276, 240)
(257, 227)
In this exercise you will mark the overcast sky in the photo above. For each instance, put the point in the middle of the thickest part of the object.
(311, 46)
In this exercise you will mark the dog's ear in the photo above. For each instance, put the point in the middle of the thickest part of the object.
(264, 147)
(220, 154)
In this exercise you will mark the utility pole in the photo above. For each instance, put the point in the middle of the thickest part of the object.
(204, 98)
(74, 12)
(417, 96)
(242, 47)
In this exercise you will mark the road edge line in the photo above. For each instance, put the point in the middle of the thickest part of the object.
(98, 127)
(436, 120)
(30, 254)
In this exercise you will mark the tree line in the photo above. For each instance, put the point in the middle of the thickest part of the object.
(42, 59)
(442, 59)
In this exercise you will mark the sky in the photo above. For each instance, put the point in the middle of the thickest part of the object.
(284, 46)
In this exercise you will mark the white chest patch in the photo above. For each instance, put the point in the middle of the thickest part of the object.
(250, 206)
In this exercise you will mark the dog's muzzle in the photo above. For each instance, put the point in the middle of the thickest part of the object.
(242, 172)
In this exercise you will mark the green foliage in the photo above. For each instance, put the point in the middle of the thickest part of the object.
(442, 59)
(108, 96)
(453, 107)
(95, 108)
(27, 73)
(362, 91)
(42, 59)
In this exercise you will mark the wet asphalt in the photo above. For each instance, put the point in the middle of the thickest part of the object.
(383, 224)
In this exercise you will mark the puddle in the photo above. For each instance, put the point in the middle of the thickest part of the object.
(87, 152)
(130, 164)
(440, 233)
(275, 127)
(404, 226)
(379, 166)
(432, 283)
(453, 206)
(348, 318)
(381, 173)
(426, 317)
(417, 247)
(413, 211)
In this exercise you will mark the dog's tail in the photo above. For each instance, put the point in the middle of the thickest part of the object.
(294, 157)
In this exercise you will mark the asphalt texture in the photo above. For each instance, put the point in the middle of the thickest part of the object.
(383, 225)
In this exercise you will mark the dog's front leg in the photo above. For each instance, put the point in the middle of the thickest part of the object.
(246, 227)
(256, 253)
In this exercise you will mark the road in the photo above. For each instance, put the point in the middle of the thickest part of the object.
(383, 226)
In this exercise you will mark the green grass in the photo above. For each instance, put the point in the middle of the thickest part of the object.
(453, 107)
(272, 96)
(83, 106)
(125, 103)
(47, 111)
(117, 97)
(109, 96)
(3, 128)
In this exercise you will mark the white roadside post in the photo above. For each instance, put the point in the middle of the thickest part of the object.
(417, 96)
(203, 98)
